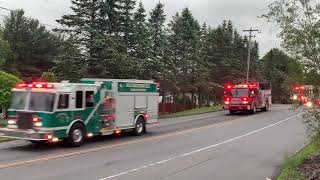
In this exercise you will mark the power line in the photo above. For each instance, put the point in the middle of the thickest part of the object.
(249, 48)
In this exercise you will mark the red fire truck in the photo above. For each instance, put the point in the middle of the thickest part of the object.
(247, 97)
(304, 95)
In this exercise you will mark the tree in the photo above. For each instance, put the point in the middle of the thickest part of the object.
(86, 26)
(157, 30)
(127, 24)
(282, 72)
(33, 46)
(184, 42)
(6, 54)
(70, 64)
(300, 29)
(7, 82)
(142, 43)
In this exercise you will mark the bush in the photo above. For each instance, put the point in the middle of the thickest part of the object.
(312, 121)
(183, 100)
(49, 77)
(7, 82)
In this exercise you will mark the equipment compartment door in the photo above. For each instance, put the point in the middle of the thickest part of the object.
(124, 111)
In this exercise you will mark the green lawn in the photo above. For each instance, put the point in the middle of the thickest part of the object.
(193, 112)
(289, 168)
(4, 139)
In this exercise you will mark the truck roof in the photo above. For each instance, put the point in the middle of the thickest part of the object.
(118, 80)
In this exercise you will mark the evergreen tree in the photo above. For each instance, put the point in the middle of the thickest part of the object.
(71, 63)
(142, 43)
(157, 30)
(127, 23)
(32, 45)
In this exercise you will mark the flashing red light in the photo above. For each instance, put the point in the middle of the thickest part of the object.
(118, 131)
(34, 85)
(145, 116)
(245, 100)
(21, 85)
(228, 86)
(296, 88)
(35, 119)
(158, 84)
(49, 136)
(253, 85)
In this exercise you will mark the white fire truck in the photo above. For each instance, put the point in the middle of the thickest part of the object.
(51, 112)
(247, 97)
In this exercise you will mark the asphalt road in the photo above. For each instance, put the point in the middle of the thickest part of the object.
(208, 146)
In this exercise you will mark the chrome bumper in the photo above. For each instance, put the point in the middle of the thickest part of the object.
(23, 134)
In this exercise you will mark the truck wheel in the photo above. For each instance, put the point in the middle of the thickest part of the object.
(140, 127)
(76, 135)
(254, 109)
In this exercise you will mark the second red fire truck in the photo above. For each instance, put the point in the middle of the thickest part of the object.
(247, 97)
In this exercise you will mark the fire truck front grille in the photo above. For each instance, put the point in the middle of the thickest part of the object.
(24, 121)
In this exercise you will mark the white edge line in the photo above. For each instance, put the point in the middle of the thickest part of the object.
(201, 149)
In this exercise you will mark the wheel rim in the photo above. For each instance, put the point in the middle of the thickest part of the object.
(77, 135)
(139, 127)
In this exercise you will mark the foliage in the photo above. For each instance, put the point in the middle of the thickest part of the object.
(6, 54)
(48, 77)
(300, 29)
(70, 64)
(282, 72)
(7, 82)
(289, 169)
(32, 45)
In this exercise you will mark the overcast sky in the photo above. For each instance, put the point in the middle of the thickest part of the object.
(243, 13)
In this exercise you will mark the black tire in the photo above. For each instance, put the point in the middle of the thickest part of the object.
(253, 110)
(76, 136)
(140, 127)
(232, 112)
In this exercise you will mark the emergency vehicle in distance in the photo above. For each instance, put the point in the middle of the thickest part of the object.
(247, 97)
(52, 112)
(304, 95)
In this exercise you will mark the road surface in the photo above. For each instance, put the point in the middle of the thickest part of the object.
(208, 146)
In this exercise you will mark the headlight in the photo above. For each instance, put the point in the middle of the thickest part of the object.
(309, 104)
(295, 97)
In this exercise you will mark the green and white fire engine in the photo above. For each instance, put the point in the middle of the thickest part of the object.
(52, 112)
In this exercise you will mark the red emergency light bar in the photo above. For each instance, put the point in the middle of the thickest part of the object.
(228, 86)
(38, 85)
(298, 88)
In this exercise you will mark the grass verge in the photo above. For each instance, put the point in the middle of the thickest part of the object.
(4, 139)
(193, 112)
(289, 169)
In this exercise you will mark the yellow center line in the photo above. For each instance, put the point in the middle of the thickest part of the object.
(59, 156)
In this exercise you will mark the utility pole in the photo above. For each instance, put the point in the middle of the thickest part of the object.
(249, 48)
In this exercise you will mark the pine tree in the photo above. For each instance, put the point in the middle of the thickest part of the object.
(127, 23)
(87, 29)
(141, 43)
(70, 64)
(157, 30)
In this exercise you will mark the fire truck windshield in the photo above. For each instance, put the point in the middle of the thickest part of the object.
(38, 101)
(243, 92)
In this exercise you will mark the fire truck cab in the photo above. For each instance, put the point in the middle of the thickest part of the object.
(247, 97)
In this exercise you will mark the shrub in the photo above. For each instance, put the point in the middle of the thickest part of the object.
(7, 82)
